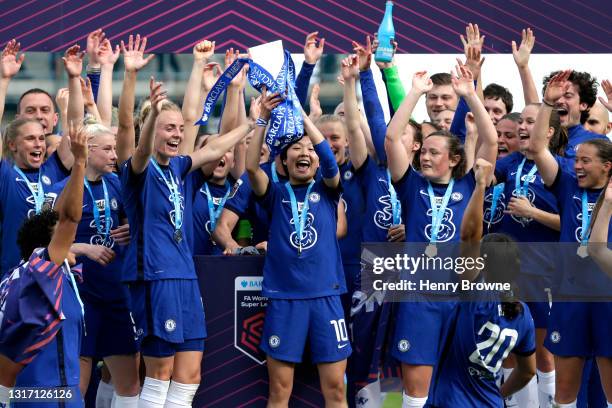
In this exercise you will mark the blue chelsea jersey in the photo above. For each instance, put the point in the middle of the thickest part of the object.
(316, 271)
(202, 226)
(154, 252)
(17, 203)
(535, 261)
(412, 190)
(580, 276)
(477, 339)
(576, 135)
(354, 205)
(378, 212)
(101, 283)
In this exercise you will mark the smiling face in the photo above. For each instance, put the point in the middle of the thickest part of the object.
(169, 128)
(302, 162)
(436, 163)
(223, 167)
(335, 133)
(507, 138)
(591, 171)
(28, 147)
(102, 153)
(444, 119)
(525, 126)
(439, 99)
(569, 107)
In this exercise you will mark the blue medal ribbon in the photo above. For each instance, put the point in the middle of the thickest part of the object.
(299, 218)
(586, 219)
(214, 213)
(286, 123)
(396, 207)
(521, 188)
(497, 191)
(38, 196)
(437, 212)
(174, 194)
(96, 211)
(274, 172)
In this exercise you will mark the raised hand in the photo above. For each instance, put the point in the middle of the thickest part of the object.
(203, 50)
(483, 171)
(268, 103)
(10, 63)
(421, 83)
(105, 54)
(607, 88)
(521, 55)
(78, 142)
(133, 55)
(315, 104)
(349, 68)
(383, 65)
(473, 61)
(364, 53)
(312, 51)
(73, 61)
(157, 94)
(88, 98)
(255, 108)
(472, 38)
(557, 87)
(61, 99)
(210, 75)
(94, 39)
(470, 124)
(463, 81)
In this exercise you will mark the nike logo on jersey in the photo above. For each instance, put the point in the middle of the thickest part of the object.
(342, 346)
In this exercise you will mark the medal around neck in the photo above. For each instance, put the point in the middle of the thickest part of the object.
(431, 250)
(178, 236)
(582, 251)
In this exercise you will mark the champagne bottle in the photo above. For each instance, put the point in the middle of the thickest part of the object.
(386, 35)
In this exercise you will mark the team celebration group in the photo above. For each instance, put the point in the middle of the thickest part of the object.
(100, 224)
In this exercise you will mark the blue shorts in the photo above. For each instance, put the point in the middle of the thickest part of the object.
(540, 311)
(290, 323)
(170, 310)
(109, 330)
(419, 329)
(580, 329)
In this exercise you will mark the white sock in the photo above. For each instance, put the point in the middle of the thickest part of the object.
(180, 395)
(104, 395)
(546, 388)
(569, 405)
(527, 397)
(5, 393)
(124, 402)
(412, 402)
(153, 393)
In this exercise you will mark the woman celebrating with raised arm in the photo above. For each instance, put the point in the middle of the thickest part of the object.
(303, 275)
(41, 326)
(576, 330)
(433, 204)
(158, 264)
(100, 247)
(485, 327)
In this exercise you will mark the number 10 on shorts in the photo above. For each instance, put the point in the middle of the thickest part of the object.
(340, 328)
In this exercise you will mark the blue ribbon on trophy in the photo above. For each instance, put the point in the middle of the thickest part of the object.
(286, 124)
